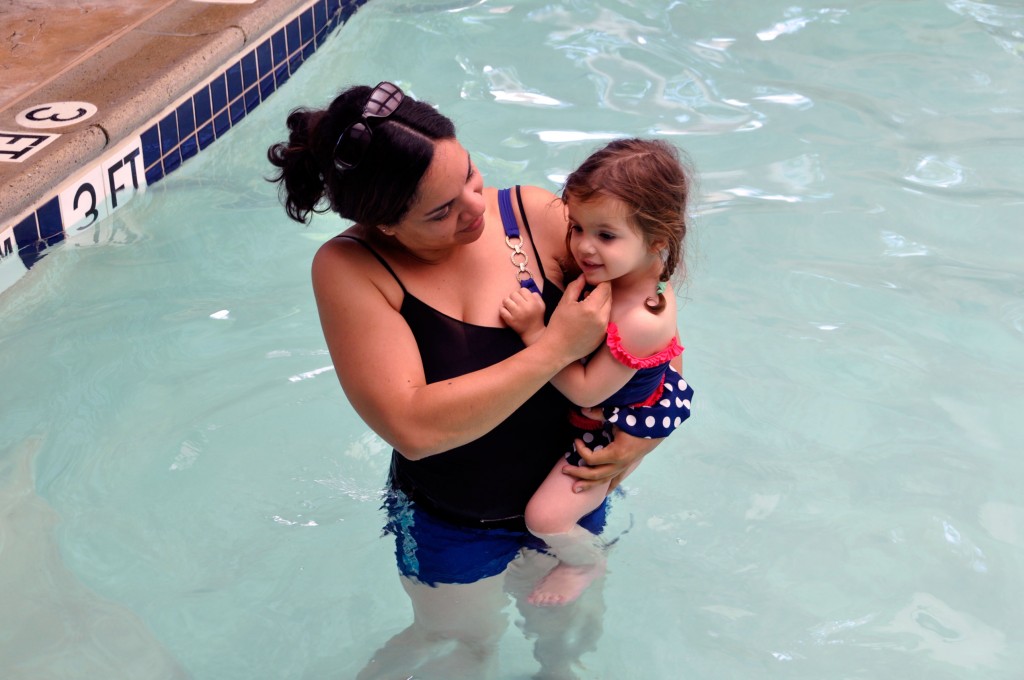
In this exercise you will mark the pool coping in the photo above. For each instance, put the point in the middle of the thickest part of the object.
(203, 67)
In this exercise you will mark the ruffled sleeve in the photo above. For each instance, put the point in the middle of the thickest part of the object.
(623, 356)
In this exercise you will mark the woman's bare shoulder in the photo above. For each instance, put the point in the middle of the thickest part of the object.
(345, 265)
(547, 222)
(342, 249)
(538, 199)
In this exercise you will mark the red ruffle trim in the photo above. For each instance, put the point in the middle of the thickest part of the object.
(577, 419)
(673, 350)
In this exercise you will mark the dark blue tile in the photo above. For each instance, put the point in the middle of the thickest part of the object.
(51, 226)
(319, 16)
(30, 254)
(267, 87)
(333, 7)
(8, 247)
(306, 26)
(295, 61)
(154, 173)
(279, 47)
(150, 146)
(203, 106)
(219, 94)
(321, 36)
(252, 99)
(26, 232)
(221, 124)
(294, 41)
(308, 50)
(168, 133)
(234, 78)
(348, 9)
(237, 111)
(206, 135)
(27, 236)
(186, 119)
(172, 162)
(189, 147)
(250, 74)
(264, 58)
(281, 74)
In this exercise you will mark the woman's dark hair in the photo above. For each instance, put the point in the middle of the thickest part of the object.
(653, 180)
(377, 191)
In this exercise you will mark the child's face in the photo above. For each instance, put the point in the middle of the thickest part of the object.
(604, 242)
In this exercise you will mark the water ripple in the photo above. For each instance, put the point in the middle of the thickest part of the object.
(796, 21)
(933, 171)
(946, 634)
(1003, 21)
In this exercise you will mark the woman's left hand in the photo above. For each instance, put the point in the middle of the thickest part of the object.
(610, 463)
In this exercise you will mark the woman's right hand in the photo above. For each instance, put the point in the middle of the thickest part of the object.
(577, 327)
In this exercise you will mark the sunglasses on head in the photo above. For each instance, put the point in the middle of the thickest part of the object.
(352, 144)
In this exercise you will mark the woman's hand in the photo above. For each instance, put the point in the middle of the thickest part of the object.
(577, 327)
(613, 462)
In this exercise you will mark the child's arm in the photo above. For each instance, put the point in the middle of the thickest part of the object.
(638, 337)
(583, 384)
(523, 311)
(589, 384)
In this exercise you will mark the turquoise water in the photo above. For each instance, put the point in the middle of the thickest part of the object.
(184, 491)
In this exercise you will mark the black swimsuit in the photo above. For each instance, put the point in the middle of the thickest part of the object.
(489, 480)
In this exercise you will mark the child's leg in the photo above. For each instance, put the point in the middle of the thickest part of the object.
(552, 515)
(561, 635)
(555, 508)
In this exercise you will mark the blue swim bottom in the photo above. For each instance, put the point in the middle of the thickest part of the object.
(432, 550)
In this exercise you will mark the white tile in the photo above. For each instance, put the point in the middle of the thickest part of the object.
(103, 189)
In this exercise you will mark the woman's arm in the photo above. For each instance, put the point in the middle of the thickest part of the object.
(613, 461)
(379, 366)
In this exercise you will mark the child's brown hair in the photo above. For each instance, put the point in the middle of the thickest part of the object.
(651, 178)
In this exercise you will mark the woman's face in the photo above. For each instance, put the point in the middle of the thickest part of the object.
(448, 209)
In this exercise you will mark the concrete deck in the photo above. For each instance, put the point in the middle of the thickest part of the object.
(129, 58)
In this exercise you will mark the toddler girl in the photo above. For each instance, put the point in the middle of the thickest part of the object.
(627, 222)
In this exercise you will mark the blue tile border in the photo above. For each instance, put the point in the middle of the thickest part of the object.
(202, 117)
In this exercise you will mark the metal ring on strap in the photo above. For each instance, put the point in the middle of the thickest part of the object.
(521, 263)
(518, 257)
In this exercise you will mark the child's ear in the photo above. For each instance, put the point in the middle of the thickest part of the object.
(659, 245)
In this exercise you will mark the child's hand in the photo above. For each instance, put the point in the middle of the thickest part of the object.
(523, 311)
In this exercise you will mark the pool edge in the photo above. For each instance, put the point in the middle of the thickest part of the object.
(205, 68)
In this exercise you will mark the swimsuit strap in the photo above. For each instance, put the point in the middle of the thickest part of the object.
(511, 227)
(379, 259)
(526, 223)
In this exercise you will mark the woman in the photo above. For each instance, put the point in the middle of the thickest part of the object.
(408, 300)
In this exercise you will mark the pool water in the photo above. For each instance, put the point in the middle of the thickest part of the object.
(185, 492)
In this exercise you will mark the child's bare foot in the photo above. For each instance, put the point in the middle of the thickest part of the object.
(564, 584)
